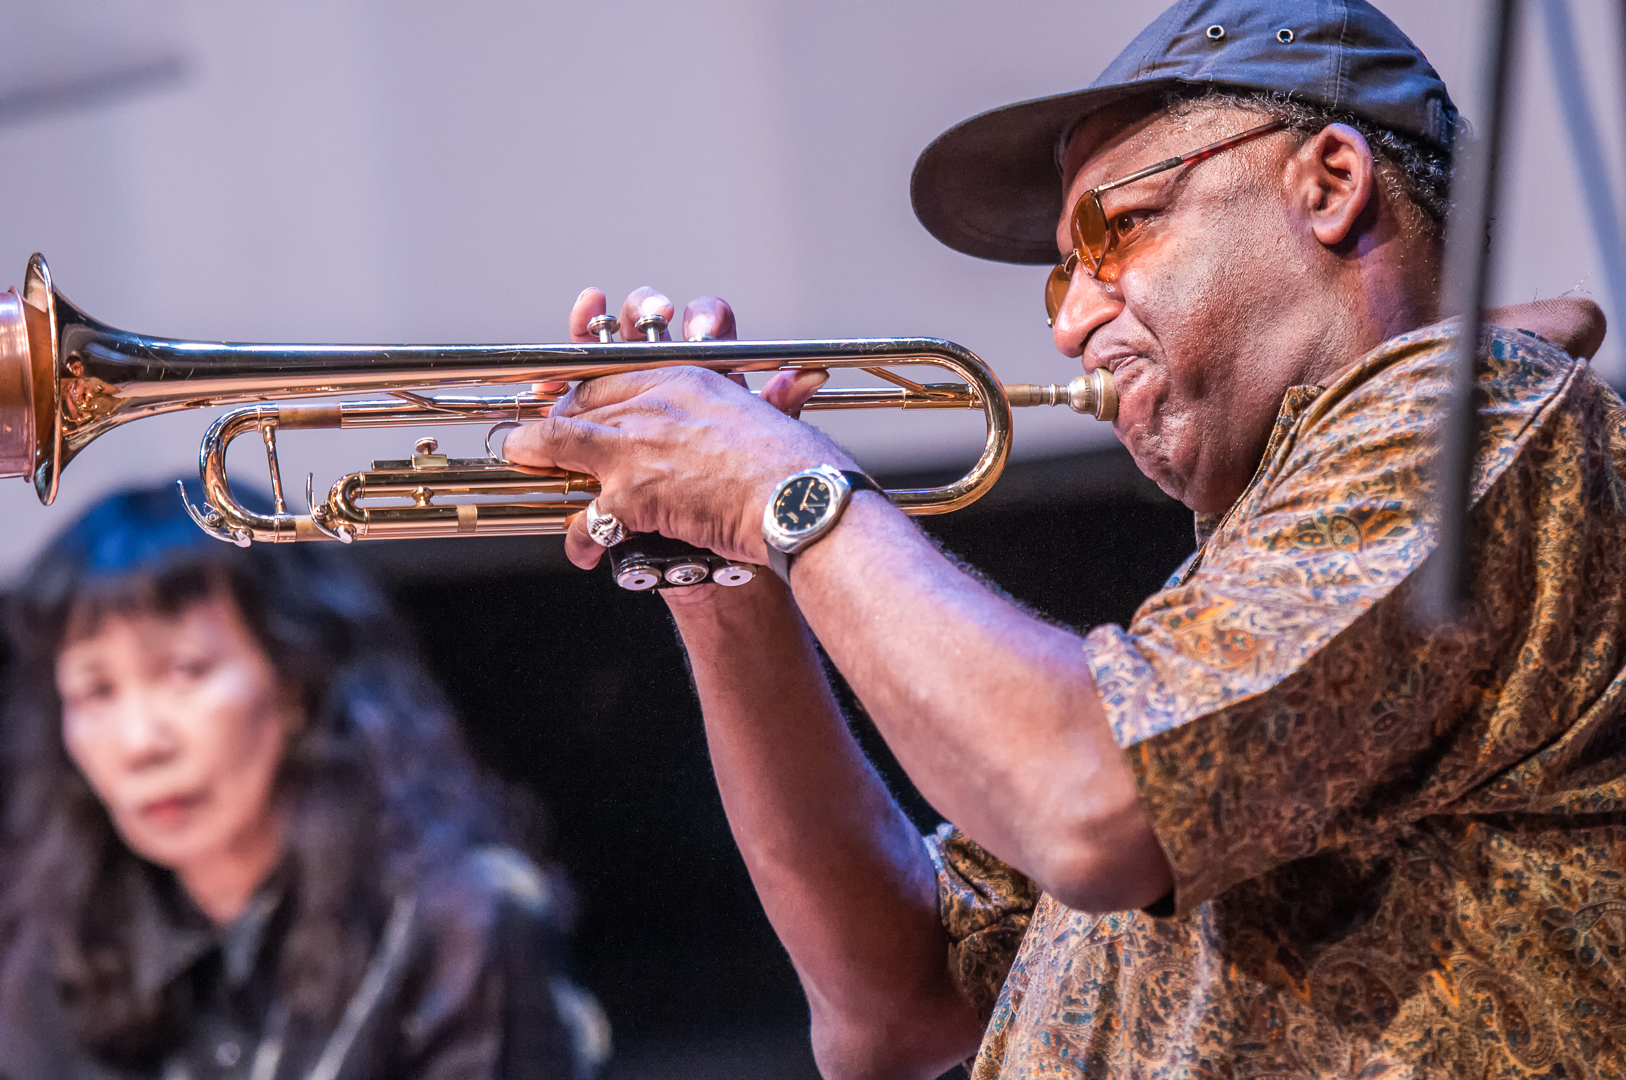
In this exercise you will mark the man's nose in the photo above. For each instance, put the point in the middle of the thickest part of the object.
(1090, 304)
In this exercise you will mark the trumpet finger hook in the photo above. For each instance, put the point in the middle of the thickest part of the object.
(506, 425)
(318, 514)
(211, 522)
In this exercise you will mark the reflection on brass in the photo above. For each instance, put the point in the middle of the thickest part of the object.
(66, 379)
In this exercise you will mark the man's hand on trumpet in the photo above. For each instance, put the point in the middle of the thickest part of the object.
(687, 453)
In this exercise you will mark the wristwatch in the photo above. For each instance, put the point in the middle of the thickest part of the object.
(803, 507)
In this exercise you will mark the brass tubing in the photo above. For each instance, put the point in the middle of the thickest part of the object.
(490, 519)
(445, 410)
(222, 515)
(397, 479)
(946, 396)
(341, 517)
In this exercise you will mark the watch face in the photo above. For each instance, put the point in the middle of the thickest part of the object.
(802, 503)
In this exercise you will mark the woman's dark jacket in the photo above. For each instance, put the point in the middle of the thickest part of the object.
(461, 983)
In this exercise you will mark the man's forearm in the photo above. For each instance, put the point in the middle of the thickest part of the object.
(992, 712)
(841, 871)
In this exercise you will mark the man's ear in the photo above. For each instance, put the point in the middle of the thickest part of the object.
(1335, 183)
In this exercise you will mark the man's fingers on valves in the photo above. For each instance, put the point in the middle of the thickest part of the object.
(705, 318)
(644, 313)
(588, 306)
(708, 318)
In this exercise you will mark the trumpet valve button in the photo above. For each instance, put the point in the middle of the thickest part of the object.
(733, 574)
(652, 325)
(605, 327)
(638, 577)
(687, 573)
(426, 446)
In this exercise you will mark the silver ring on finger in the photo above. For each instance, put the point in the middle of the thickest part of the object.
(605, 529)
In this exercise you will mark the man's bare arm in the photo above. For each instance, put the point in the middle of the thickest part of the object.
(951, 671)
(992, 712)
(842, 873)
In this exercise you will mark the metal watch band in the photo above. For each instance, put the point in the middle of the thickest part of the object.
(861, 482)
(779, 561)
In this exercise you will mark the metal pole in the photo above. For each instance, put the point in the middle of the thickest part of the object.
(1444, 585)
(1587, 143)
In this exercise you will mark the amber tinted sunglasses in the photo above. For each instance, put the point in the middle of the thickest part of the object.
(1094, 238)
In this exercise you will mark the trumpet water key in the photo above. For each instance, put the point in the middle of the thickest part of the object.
(66, 378)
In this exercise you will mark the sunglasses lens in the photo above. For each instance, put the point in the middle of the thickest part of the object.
(1090, 230)
(1055, 288)
(1089, 247)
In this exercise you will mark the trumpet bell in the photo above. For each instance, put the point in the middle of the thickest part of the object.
(17, 445)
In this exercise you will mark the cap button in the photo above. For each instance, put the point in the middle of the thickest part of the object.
(1216, 32)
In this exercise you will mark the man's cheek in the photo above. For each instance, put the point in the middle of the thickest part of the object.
(1138, 427)
(1143, 392)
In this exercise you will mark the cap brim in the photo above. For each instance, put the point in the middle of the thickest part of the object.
(989, 186)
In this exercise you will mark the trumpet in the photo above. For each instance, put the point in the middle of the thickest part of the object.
(66, 379)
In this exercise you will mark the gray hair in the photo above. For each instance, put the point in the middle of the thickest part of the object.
(1410, 168)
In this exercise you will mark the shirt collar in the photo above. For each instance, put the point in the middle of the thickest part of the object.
(170, 934)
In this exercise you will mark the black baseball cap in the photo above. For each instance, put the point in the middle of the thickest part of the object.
(991, 186)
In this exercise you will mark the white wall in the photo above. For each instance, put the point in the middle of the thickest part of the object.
(415, 171)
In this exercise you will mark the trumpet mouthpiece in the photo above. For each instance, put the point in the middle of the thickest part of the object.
(1091, 393)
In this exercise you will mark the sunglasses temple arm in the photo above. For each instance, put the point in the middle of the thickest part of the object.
(1196, 155)
(1150, 170)
(1225, 144)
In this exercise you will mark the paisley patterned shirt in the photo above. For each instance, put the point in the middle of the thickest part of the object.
(1399, 850)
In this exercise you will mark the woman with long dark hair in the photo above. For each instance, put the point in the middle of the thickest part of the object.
(242, 837)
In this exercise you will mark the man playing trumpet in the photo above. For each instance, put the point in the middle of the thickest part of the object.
(1275, 827)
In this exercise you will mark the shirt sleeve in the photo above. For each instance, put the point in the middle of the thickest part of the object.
(985, 906)
(1280, 700)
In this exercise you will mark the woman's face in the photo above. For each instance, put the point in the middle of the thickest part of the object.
(179, 724)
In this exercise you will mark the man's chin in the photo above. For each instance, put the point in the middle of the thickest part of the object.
(1157, 468)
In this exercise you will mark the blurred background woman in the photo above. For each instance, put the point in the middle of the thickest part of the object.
(243, 836)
